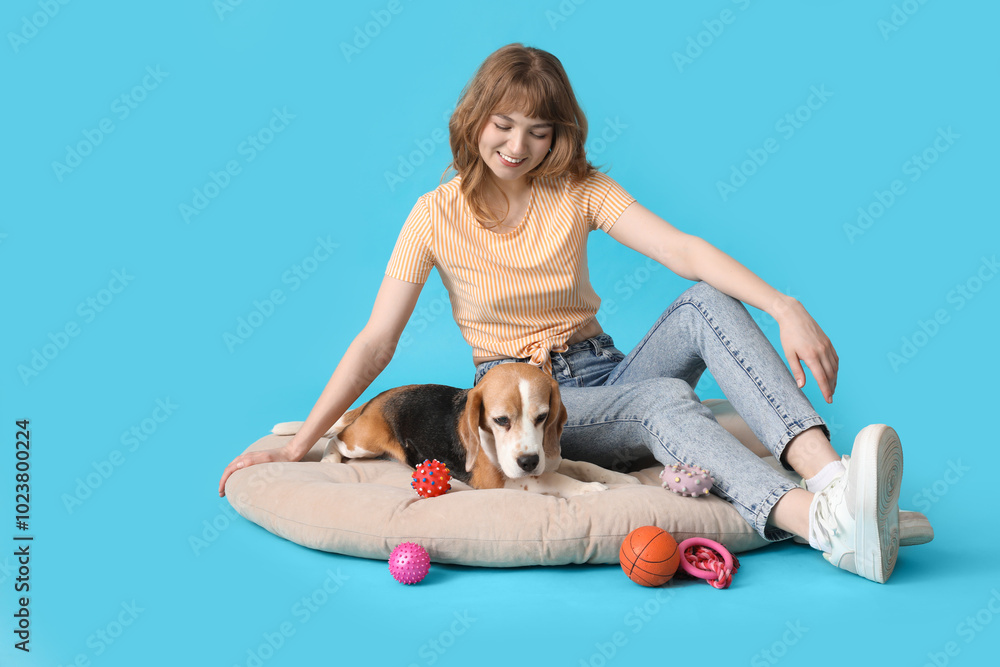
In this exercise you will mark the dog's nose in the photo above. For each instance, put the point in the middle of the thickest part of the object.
(528, 462)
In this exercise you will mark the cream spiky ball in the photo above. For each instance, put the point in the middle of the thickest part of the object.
(687, 480)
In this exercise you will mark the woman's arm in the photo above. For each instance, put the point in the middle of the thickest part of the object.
(366, 357)
(694, 258)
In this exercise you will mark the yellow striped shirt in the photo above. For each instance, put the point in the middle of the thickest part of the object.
(521, 294)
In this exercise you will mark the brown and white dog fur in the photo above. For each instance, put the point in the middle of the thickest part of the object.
(503, 433)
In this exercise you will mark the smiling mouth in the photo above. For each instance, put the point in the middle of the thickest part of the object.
(510, 161)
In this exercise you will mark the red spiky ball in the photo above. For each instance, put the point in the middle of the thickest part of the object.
(431, 478)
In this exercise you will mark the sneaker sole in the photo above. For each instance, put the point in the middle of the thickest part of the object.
(880, 456)
(914, 530)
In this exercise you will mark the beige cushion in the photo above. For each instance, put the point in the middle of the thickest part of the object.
(366, 508)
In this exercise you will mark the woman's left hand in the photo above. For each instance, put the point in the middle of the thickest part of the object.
(804, 341)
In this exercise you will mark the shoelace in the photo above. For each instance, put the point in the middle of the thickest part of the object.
(826, 500)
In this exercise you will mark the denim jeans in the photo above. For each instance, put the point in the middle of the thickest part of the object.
(622, 408)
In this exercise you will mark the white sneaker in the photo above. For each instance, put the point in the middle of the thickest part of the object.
(855, 519)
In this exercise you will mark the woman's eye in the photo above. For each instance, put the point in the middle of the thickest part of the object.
(500, 127)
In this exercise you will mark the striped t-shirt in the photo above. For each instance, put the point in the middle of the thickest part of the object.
(524, 293)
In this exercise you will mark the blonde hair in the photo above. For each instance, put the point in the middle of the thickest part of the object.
(525, 79)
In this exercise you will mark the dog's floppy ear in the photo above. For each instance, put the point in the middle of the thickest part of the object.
(468, 426)
(555, 421)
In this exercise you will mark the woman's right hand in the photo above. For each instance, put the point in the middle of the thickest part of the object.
(364, 360)
(247, 459)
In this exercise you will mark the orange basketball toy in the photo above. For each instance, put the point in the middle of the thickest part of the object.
(649, 556)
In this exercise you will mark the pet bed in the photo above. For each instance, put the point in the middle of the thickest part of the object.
(366, 507)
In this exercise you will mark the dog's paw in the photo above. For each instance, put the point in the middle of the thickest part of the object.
(588, 472)
(625, 479)
(331, 455)
(589, 487)
(287, 428)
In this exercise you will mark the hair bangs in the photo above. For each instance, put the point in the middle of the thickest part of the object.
(530, 96)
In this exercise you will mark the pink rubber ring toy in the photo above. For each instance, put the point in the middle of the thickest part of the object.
(705, 542)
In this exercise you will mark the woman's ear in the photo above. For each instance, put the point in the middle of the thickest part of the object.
(468, 426)
(555, 421)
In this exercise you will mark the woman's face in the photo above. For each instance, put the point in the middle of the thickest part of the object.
(526, 141)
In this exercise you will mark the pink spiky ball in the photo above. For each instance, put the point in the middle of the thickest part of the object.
(431, 478)
(409, 563)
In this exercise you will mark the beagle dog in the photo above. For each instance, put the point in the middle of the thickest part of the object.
(503, 433)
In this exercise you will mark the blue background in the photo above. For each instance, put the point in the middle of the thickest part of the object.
(669, 130)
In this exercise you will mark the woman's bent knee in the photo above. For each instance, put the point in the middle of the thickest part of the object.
(702, 292)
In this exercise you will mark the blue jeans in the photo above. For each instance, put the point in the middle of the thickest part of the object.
(622, 408)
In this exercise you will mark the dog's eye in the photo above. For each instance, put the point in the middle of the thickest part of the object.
(541, 418)
(502, 421)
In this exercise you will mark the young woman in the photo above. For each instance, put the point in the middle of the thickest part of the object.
(508, 237)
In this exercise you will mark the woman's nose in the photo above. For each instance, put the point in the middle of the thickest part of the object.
(516, 144)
